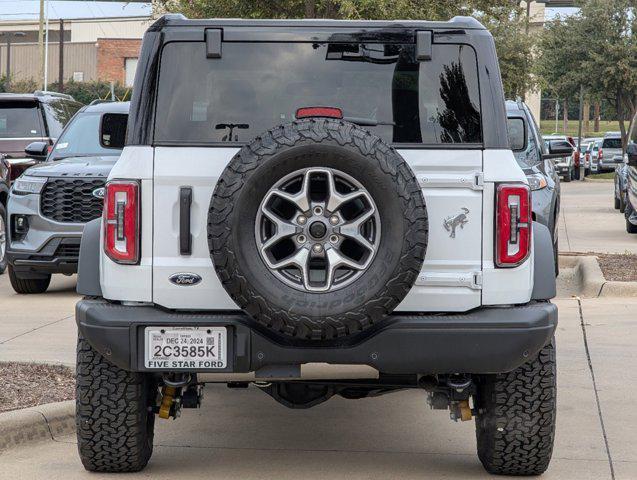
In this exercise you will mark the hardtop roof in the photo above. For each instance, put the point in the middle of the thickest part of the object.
(178, 20)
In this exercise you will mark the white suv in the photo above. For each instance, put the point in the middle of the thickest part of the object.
(298, 195)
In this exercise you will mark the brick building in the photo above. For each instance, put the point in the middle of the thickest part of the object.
(97, 44)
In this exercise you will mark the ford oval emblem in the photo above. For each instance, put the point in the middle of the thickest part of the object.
(99, 192)
(185, 279)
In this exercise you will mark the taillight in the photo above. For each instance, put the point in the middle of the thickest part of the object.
(576, 158)
(329, 112)
(600, 154)
(513, 224)
(121, 221)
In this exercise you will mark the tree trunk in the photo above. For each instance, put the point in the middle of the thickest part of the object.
(587, 115)
(310, 8)
(596, 115)
(619, 107)
(565, 115)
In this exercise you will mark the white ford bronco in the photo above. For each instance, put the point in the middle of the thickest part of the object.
(317, 208)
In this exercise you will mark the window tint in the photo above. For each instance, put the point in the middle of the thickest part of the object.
(612, 143)
(256, 86)
(20, 120)
(82, 137)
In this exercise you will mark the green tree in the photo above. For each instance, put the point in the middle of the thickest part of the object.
(503, 17)
(610, 27)
(596, 49)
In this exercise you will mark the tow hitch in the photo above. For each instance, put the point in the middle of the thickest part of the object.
(450, 392)
(177, 393)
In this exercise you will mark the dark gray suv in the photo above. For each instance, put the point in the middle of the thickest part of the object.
(538, 165)
(50, 203)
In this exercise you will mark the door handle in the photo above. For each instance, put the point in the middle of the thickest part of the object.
(185, 237)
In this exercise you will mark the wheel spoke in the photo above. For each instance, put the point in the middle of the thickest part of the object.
(300, 199)
(284, 229)
(335, 259)
(335, 199)
(300, 260)
(352, 229)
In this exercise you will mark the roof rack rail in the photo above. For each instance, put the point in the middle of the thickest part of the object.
(42, 93)
(97, 101)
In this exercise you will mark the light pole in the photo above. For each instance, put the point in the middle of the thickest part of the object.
(8, 36)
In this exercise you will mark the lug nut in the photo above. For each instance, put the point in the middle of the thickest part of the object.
(318, 210)
(333, 239)
(317, 248)
(300, 239)
(333, 219)
(301, 220)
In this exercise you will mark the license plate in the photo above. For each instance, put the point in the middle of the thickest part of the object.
(186, 347)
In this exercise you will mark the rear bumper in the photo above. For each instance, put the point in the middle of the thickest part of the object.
(486, 340)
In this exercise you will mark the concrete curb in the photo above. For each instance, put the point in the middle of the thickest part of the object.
(591, 281)
(36, 424)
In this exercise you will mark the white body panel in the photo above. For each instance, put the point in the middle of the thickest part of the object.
(444, 285)
(458, 273)
(133, 282)
(502, 285)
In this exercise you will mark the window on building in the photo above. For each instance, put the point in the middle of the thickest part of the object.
(131, 66)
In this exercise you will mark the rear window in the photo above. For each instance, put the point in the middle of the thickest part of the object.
(255, 86)
(20, 120)
(612, 143)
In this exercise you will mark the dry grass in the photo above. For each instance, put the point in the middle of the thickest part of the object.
(619, 267)
(29, 384)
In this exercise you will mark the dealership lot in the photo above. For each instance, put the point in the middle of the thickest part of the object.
(226, 437)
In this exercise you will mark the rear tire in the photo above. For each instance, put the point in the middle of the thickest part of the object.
(617, 203)
(568, 177)
(28, 285)
(114, 426)
(630, 228)
(515, 426)
(622, 202)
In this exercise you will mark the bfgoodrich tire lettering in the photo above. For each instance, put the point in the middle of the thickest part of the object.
(515, 426)
(319, 143)
(114, 426)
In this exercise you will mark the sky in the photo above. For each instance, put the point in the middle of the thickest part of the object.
(30, 10)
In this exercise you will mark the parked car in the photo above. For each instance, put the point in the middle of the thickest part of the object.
(608, 153)
(259, 220)
(585, 154)
(51, 202)
(4, 196)
(630, 212)
(621, 185)
(30, 117)
(566, 166)
(531, 154)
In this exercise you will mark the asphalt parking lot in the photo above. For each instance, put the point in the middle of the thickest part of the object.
(245, 434)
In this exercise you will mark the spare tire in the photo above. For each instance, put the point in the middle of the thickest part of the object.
(317, 229)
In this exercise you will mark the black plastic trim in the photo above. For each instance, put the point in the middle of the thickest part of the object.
(544, 284)
(88, 278)
(185, 237)
(485, 340)
(424, 47)
(213, 42)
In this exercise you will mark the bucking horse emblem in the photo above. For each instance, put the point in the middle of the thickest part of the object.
(454, 221)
